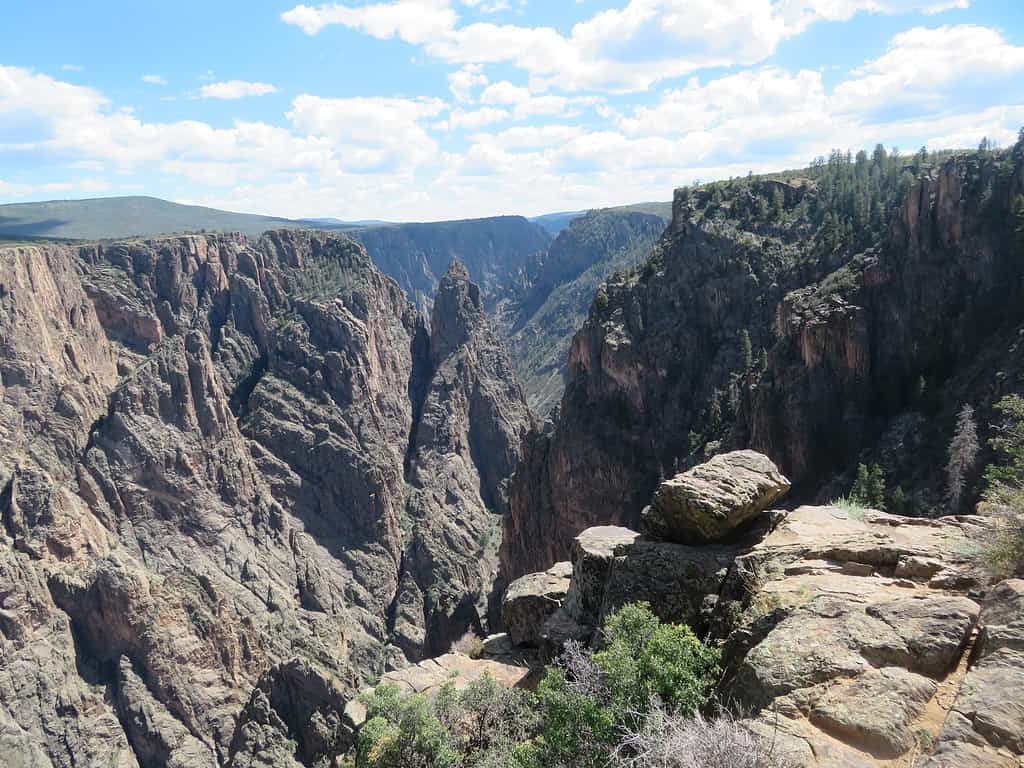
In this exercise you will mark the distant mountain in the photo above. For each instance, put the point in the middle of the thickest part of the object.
(418, 255)
(539, 312)
(556, 222)
(118, 217)
(330, 223)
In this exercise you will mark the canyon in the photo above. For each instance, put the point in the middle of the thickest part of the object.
(245, 478)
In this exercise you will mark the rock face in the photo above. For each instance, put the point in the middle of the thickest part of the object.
(850, 651)
(237, 478)
(418, 255)
(544, 303)
(658, 379)
(710, 501)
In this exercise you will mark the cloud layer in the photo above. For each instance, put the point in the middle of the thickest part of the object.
(533, 120)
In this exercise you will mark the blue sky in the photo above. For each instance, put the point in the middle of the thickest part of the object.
(434, 109)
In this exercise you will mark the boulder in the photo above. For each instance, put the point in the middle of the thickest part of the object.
(710, 501)
(530, 601)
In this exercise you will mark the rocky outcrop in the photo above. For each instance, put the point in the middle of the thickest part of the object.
(465, 446)
(850, 650)
(710, 501)
(870, 349)
(849, 639)
(237, 481)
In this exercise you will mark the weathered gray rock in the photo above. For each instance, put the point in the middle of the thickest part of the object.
(680, 582)
(835, 650)
(875, 710)
(710, 501)
(157, 737)
(530, 600)
(986, 725)
(230, 473)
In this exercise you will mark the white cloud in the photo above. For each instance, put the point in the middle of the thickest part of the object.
(618, 50)
(154, 80)
(920, 62)
(474, 119)
(71, 68)
(377, 157)
(235, 89)
(530, 137)
(463, 82)
(414, 21)
(376, 131)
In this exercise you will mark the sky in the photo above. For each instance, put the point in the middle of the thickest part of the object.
(439, 109)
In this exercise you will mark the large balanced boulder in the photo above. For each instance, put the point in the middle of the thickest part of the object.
(531, 599)
(710, 501)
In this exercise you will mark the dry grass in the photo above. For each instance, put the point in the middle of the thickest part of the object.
(669, 741)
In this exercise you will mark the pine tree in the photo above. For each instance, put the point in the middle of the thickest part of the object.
(899, 501)
(746, 351)
(876, 488)
(1017, 223)
(963, 453)
(861, 485)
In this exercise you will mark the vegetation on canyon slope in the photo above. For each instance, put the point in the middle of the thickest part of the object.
(635, 702)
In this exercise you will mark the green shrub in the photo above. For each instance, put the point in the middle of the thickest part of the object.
(403, 731)
(589, 701)
(578, 717)
(853, 508)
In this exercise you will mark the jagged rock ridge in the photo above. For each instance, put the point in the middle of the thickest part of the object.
(227, 467)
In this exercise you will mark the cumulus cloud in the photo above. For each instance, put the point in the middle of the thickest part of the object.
(377, 132)
(620, 49)
(510, 146)
(235, 89)
(920, 63)
(474, 119)
(464, 82)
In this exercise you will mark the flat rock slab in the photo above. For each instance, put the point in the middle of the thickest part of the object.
(429, 676)
(876, 709)
(854, 630)
(710, 501)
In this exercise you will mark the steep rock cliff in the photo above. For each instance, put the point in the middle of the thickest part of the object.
(540, 308)
(224, 464)
(668, 368)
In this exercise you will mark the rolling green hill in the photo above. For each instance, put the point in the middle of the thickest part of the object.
(116, 217)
